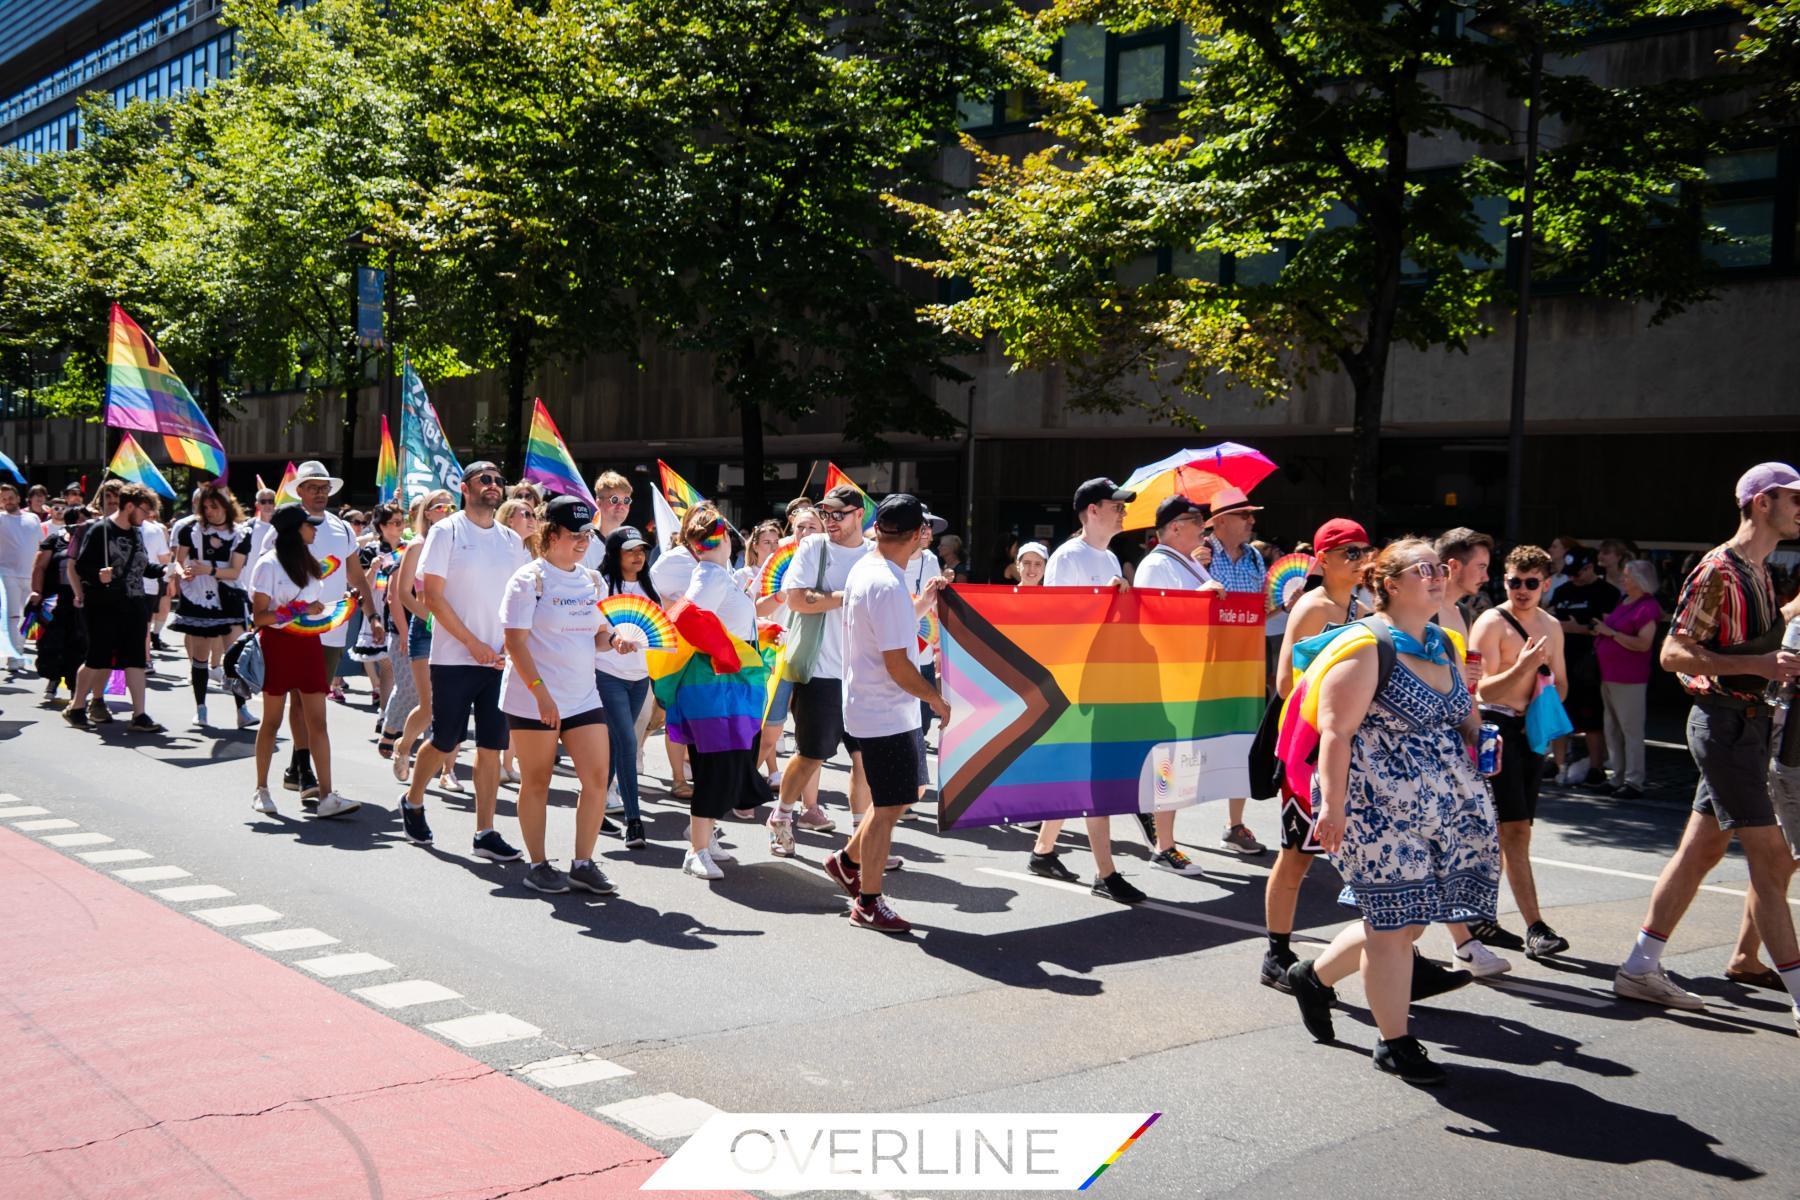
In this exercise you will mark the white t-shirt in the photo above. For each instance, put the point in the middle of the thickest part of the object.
(268, 578)
(713, 589)
(20, 534)
(923, 566)
(672, 571)
(878, 616)
(1167, 569)
(262, 536)
(803, 573)
(564, 622)
(476, 566)
(1077, 564)
(156, 545)
(334, 539)
(624, 666)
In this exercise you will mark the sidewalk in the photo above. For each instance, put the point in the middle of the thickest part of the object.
(149, 1056)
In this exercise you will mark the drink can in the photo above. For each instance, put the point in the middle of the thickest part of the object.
(1472, 659)
(1487, 750)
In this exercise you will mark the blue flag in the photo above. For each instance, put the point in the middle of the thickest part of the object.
(11, 467)
(426, 459)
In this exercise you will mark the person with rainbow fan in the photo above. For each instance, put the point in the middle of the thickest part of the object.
(623, 680)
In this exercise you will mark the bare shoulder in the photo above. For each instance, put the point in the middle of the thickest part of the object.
(1312, 613)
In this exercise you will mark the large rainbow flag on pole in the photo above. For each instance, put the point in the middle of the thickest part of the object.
(1075, 702)
(131, 463)
(548, 461)
(835, 477)
(387, 468)
(144, 395)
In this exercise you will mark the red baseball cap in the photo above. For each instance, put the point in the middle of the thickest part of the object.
(1339, 531)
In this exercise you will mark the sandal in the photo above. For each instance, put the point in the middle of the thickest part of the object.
(1765, 978)
(682, 791)
(385, 747)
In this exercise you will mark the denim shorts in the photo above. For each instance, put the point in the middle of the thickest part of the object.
(1731, 748)
(418, 638)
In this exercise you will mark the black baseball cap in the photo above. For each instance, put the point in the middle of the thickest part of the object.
(629, 538)
(293, 515)
(1179, 506)
(1096, 490)
(900, 513)
(845, 495)
(476, 468)
(572, 513)
(1579, 558)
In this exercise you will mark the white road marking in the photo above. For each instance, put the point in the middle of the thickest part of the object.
(23, 810)
(664, 1115)
(77, 839)
(45, 824)
(1159, 906)
(113, 856)
(193, 891)
(569, 1070)
(331, 966)
(1593, 870)
(290, 939)
(151, 874)
(485, 1029)
(236, 914)
(407, 993)
(9, 798)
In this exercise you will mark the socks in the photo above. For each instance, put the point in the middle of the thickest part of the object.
(867, 901)
(197, 677)
(1278, 944)
(844, 855)
(1646, 956)
(581, 862)
(1790, 975)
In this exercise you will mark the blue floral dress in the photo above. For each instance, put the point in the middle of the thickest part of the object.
(1420, 843)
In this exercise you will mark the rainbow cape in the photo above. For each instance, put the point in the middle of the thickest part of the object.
(1069, 702)
(130, 462)
(144, 395)
(836, 478)
(712, 686)
(547, 459)
(678, 492)
(387, 468)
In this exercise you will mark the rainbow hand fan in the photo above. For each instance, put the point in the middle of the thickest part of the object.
(325, 622)
(626, 609)
(928, 630)
(774, 572)
(1287, 574)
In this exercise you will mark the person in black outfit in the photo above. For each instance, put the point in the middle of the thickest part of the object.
(110, 569)
(62, 644)
(1579, 604)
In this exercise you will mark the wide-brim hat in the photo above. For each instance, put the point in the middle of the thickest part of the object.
(313, 470)
(1230, 500)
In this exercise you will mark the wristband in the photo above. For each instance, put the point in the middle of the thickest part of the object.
(532, 686)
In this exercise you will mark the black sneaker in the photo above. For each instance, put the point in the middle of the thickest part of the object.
(590, 878)
(1541, 941)
(142, 724)
(634, 835)
(157, 643)
(1147, 827)
(1314, 999)
(1626, 792)
(543, 877)
(1116, 887)
(290, 779)
(1403, 1056)
(1050, 866)
(491, 846)
(610, 827)
(309, 788)
(1489, 933)
(76, 716)
(1275, 969)
(413, 821)
(1596, 781)
(1432, 979)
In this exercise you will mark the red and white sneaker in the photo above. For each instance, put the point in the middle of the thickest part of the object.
(848, 878)
(880, 918)
(781, 835)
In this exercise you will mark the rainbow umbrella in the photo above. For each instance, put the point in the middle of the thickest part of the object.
(1196, 474)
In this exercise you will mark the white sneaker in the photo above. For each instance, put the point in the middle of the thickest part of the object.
(200, 721)
(264, 803)
(775, 781)
(508, 775)
(333, 805)
(450, 783)
(1482, 962)
(700, 865)
(717, 851)
(1655, 987)
(614, 802)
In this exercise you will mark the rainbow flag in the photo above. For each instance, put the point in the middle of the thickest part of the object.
(679, 492)
(712, 687)
(1074, 702)
(130, 462)
(144, 395)
(284, 491)
(387, 468)
(836, 478)
(547, 459)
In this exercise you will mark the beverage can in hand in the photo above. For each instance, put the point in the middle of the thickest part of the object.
(1487, 750)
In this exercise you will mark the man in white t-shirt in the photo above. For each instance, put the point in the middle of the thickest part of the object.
(1085, 561)
(465, 565)
(20, 535)
(612, 497)
(817, 705)
(262, 534)
(332, 539)
(882, 691)
(922, 567)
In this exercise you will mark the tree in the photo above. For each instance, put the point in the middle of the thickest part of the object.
(1301, 137)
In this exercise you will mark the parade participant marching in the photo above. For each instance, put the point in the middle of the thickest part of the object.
(612, 497)
(110, 569)
(467, 561)
(553, 626)
(1518, 641)
(883, 690)
(671, 572)
(1086, 561)
(1180, 528)
(1398, 803)
(1235, 563)
(1723, 645)
(380, 556)
(63, 643)
(284, 584)
(803, 522)
(211, 550)
(623, 680)
(21, 533)
(921, 568)
(409, 709)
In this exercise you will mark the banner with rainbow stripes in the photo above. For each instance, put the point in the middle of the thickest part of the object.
(144, 395)
(548, 461)
(1075, 702)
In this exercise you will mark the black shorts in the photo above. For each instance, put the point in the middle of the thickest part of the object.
(894, 766)
(457, 691)
(1521, 770)
(818, 711)
(1731, 748)
(117, 632)
(1298, 828)
(593, 716)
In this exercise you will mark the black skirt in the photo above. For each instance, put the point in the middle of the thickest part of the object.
(727, 779)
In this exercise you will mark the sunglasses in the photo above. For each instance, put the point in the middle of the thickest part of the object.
(487, 480)
(440, 506)
(1430, 570)
(1531, 585)
(1353, 553)
(616, 501)
(835, 514)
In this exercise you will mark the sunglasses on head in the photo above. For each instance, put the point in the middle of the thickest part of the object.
(1530, 585)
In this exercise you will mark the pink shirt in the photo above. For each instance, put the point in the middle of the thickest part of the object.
(1617, 664)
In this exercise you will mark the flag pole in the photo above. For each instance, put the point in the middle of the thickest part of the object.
(809, 475)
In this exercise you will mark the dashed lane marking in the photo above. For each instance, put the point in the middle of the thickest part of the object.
(407, 993)
(77, 839)
(98, 857)
(1593, 870)
(1172, 909)
(664, 1115)
(290, 939)
(22, 810)
(236, 914)
(46, 824)
(485, 1029)
(569, 1070)
(335, 966)
(151, 874)
(193, 891)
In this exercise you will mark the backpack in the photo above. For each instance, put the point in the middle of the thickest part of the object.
(243, 666)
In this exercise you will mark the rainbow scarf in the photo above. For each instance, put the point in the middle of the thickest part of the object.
(387, 468)
(547, 459)
(130, 462)
(678, 492)
(836, 478)
(144, 395)
(712, 686)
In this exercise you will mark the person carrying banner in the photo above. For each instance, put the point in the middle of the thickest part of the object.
(1231, 558)
(110, 569)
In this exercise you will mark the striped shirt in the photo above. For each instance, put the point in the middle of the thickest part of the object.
(1244, 575)
(1725, 602)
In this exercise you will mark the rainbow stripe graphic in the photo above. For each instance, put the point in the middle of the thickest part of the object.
(774, 572)
(326, 621)
(929, 630)
(284, 491)
(1288, 571)
(144, 395)
(641, 613)
(387, 468)
(1119, 1153)
(677, 491)
(329, 565)
(712, 686)
(1066, 699)
(130, 462)
(713, 538)
(834, 477)
(547, 459)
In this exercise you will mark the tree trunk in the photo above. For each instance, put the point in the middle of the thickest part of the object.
(1365, 463)
(518, 353)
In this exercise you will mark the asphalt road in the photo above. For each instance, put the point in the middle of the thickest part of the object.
(1014, 994)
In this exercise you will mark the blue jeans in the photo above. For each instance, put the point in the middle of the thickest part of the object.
(620, 701)
(926, 716)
